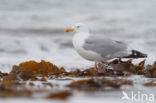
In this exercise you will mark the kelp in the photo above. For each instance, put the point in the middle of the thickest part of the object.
(63, 95)
(96, 83)
(13, 84)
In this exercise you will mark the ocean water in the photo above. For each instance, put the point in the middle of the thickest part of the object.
(34, 29)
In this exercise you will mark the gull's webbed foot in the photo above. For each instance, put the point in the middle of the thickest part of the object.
(102, 67)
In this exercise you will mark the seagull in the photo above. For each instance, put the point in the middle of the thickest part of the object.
(97, 48)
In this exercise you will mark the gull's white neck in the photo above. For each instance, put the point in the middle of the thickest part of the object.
(79, 39)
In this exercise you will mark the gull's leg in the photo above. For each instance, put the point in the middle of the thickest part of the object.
(106, 66)
(120, 60)
(96, 66)
(100, 67)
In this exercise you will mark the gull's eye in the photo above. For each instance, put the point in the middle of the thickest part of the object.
(78, 26)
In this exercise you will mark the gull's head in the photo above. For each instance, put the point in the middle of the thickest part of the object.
(79, 27)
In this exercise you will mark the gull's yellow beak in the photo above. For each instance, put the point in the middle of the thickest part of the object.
(69, 29)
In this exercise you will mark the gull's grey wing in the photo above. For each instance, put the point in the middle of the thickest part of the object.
(106, 47)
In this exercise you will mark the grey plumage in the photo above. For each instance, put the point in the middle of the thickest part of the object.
(109, 48)
(106, 47)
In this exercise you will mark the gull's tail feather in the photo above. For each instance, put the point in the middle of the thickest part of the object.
(136, 54)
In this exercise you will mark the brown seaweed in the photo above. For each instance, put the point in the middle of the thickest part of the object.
(99, 83)
(60, 95)
(44, 71)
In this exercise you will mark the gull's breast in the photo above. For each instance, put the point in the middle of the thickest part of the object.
(78, 43)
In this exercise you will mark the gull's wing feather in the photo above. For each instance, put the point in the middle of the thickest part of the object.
(106, 47)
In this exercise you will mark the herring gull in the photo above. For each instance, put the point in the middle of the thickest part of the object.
(99, 48)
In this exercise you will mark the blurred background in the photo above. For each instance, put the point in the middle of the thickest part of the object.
(34, 29)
